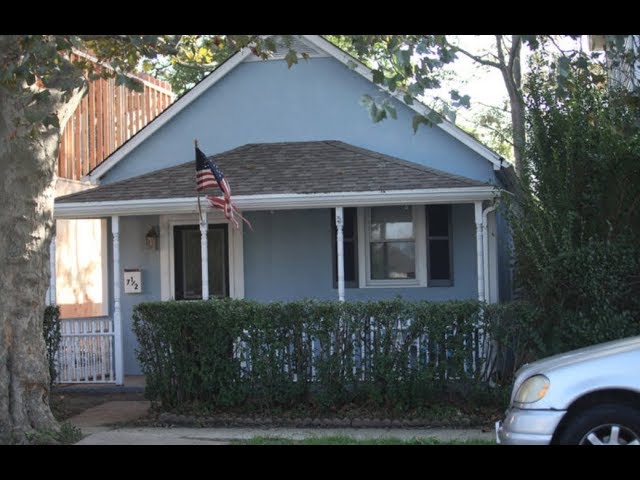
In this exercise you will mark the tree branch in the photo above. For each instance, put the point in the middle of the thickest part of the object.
(513, 52)
(473, 57)
(502, 65)
(499, 134)
(501, 109)
(552, 40)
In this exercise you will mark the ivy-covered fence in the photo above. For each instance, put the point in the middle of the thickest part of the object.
(229, 352)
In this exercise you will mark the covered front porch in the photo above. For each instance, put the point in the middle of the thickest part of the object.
(436, 242)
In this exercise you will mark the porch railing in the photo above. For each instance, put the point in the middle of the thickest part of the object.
(86, 351)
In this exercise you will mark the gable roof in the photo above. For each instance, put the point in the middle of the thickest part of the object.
(319, 45)
(284, 168)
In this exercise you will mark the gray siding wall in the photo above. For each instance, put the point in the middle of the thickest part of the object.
(134, 254)
(317, 99)
(288, 257)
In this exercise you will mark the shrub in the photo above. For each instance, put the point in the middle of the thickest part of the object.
(389, 353)
(52, 337)
(576, 219)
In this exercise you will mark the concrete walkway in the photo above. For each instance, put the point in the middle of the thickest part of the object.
(101, 417)
(98, 424)
(222, 436)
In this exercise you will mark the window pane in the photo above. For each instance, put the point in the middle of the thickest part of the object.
(393, 260)
(391, 223)
(189, 270)
(216, 254)
(439, 260)
(192, 286)
(349, 223)
(438, 216)
(349, 262)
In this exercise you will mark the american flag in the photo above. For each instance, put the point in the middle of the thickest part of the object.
(204, 172)
(209, 175)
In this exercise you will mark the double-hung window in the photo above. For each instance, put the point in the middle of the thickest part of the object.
(397, 246)
(393, 246)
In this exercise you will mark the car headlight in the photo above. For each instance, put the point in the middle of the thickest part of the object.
(533, 389)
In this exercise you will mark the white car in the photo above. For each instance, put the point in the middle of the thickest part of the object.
(586, 396)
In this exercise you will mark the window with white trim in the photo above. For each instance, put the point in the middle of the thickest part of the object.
(393, 246)
(392, 243)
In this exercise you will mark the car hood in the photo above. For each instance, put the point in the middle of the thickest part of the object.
(608, 349)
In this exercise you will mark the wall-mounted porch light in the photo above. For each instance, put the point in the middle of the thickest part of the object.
(151, 238)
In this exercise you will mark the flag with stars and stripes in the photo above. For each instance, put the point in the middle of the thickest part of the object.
(208, 175)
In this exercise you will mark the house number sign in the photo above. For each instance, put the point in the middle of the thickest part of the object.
(132, 280)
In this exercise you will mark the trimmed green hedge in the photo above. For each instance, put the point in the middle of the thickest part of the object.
(234, 352)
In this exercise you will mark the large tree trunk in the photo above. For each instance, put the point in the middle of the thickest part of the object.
(518, 128)
(27, 186)
(514, 88)
(27, 192)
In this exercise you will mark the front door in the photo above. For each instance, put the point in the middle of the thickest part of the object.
(188, 261)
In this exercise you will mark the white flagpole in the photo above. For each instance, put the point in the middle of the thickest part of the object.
(204, 251)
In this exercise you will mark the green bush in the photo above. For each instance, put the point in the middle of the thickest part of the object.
(575, 217)
(388, 353)
(52, 337)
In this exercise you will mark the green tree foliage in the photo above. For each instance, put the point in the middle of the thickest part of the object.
(196, 56)
(576, 223)
(492, 126)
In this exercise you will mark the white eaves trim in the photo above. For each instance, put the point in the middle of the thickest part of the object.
(167, 115)
(278, 202)
(417, 107)
(318, 42)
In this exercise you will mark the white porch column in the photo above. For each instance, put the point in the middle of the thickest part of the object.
(51, 294)
(204, 226)
(117, 317)
(340, 251)
(485, 253)
(479, 249)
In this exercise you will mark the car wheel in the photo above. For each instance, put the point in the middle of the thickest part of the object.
(603, 425)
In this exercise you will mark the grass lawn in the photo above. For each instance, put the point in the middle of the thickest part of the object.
(344, 440)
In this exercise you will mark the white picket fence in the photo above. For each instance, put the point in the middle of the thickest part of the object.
(357, 351)
(86, 351)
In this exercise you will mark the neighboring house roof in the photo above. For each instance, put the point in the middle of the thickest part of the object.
(318, 45)
(284, 168)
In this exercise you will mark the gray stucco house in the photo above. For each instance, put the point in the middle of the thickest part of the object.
(307, 167)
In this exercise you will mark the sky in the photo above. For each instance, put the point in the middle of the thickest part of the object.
(484, 85)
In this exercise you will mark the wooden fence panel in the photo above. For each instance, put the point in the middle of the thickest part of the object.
(107, 117)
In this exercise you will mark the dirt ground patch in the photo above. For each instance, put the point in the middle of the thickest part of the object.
(65, 405)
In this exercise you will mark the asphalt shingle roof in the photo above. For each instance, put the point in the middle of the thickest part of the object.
(281, 168)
